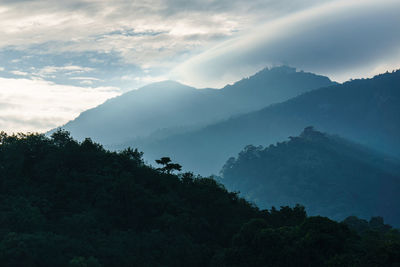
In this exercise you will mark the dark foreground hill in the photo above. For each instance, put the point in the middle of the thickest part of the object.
(163, 108)
(64, 203)
(366, 111)
(329, 175)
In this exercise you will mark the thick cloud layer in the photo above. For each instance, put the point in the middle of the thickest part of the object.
(345, 39)
(145, 32)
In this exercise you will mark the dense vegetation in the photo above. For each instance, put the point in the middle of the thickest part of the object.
(366, 111)
(64, 203)
(329, 175)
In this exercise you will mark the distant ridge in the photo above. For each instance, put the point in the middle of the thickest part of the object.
(366, 111)
(170, 107)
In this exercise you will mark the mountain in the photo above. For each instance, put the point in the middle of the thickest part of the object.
(329, 175)
(366, 111)
(166, 108)
(68, 204)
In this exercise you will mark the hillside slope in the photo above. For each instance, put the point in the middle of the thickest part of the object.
(71, 204)
(327, 174)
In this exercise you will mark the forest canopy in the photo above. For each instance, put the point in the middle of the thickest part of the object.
(331, 176)
(69, 203)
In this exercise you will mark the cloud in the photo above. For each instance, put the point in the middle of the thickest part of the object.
(86, 82)
(85, 78)
(19, 73)
(143, 32)
(344, 39)
(38, 105)
(144, 79)
(69, 70)
(135, 38)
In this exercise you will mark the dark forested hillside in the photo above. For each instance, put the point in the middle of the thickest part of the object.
(68, 203)
(165, 108)
(365, 111)
(329, 175)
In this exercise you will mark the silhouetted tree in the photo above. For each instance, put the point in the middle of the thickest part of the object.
(169, 167)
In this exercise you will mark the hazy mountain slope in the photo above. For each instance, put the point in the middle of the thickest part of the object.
(329, 175)
(167, 105)
(367, 111)
(272, 86)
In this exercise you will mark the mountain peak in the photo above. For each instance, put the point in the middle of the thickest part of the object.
(311, 134)
(280, 69)
(282, 80)
(165, 85)
(276, 71)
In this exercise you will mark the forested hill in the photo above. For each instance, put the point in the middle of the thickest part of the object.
(68, 203)
(365, 111)
(163, 108)
(329, 175)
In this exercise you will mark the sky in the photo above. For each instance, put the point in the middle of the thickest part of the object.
(59, 58)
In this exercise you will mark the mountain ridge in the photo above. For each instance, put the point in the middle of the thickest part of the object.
(366, 111)
(142, 112)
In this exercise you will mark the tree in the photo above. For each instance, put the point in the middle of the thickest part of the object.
(133, 155)
(61, 138)
(168, 165)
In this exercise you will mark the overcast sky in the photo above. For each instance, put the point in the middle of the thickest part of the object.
(58, 58)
